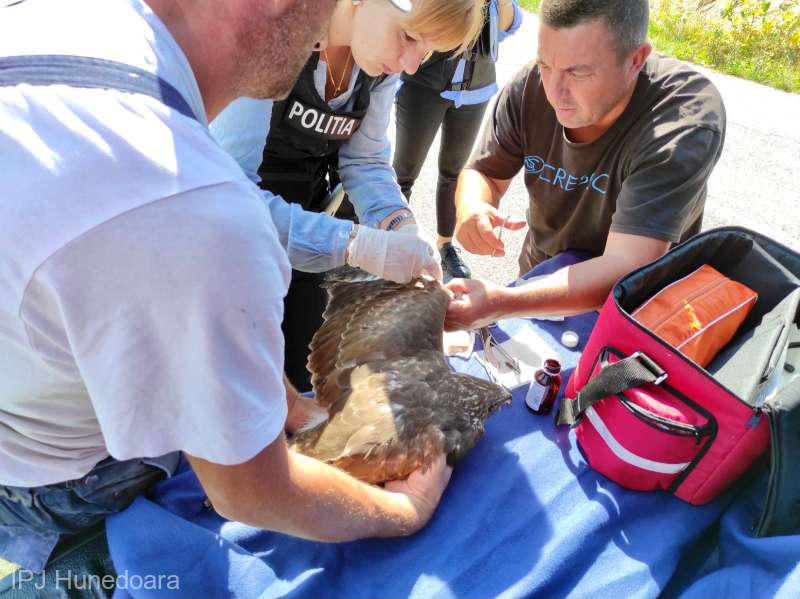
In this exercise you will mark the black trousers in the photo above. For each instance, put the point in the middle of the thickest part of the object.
(306, 300)
(420, 111)
(302, 316)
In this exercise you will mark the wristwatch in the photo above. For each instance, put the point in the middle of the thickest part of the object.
(398, 218)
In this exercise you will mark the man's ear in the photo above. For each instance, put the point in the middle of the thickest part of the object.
(638, 58)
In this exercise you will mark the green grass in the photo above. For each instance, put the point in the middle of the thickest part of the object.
(530, 5)
(753, 39)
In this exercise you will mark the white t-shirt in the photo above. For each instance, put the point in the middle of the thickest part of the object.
(141, 278)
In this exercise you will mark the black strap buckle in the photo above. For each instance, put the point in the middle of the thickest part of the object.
(650, 364)
(632, 371)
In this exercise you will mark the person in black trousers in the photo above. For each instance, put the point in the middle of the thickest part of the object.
(450, 91)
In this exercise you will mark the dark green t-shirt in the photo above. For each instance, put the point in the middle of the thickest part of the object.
(645, 176)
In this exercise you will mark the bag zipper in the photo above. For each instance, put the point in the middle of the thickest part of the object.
(698, 293)
(661, 423)
(678, 428)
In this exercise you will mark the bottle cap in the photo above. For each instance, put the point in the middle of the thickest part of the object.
(570, 339)
(552, 366)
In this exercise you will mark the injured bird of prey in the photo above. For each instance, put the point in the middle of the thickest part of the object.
(378, 369)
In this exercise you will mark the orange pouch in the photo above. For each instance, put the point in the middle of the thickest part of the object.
(699, 313)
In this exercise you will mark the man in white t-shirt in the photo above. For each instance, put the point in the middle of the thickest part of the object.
(141, 277)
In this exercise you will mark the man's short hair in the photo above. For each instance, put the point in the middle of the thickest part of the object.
(627, 19)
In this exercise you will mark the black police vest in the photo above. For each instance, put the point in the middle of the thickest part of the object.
(479, 71)
(301, 154)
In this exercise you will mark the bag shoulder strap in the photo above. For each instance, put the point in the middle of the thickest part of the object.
(635, 370)
(88, 72)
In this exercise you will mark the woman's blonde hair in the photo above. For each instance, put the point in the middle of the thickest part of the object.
(455, 24)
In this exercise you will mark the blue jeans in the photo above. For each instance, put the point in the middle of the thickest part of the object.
(33, 519)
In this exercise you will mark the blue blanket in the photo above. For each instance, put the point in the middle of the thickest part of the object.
(728, 562)
(523, 515)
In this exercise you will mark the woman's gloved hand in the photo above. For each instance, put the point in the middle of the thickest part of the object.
(394, 255)
(435, 268)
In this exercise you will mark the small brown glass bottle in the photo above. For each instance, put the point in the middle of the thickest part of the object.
(544, 387)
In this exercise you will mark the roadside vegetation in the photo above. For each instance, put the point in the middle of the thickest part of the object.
(753, 39)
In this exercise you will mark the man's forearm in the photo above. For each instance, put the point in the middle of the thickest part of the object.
(287, 492)
(473, 186)
(323, 503)
(571, 290)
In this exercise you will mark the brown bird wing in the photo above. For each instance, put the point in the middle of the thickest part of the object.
(384, 426)
(399, 414)
(377, 366)
(369, 321)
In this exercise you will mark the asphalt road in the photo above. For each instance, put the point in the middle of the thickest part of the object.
(756, 183)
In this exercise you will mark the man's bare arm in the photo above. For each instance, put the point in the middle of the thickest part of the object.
(571, 290)
(287, 492)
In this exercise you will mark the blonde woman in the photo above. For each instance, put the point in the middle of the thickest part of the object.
(333, 127)
(450, 93)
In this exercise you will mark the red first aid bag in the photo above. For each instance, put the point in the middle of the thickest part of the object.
(649, 417)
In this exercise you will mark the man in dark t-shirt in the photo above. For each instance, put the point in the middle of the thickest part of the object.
(617, 145)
